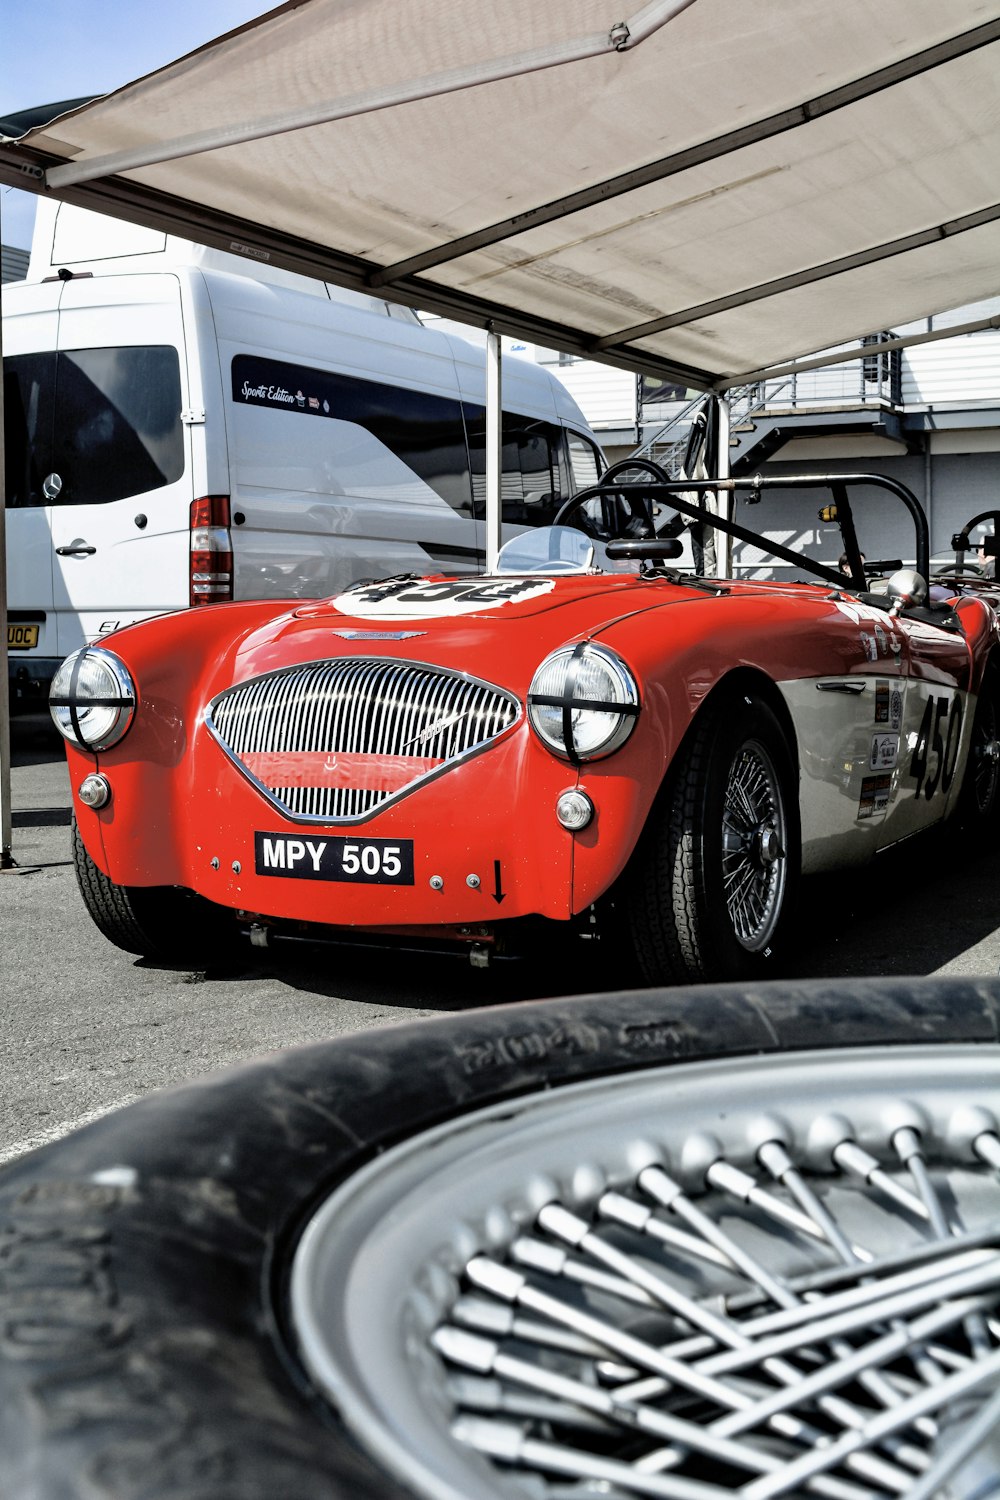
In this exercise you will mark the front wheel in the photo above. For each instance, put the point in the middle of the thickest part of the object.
(715, 871)
(159, 922)
(979, 808)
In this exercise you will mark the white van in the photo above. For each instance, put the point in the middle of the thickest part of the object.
(179, 432)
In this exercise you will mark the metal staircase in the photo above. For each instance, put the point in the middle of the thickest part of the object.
(667, 445)
(764, 415)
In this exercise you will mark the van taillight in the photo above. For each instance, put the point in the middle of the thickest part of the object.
(211, 550)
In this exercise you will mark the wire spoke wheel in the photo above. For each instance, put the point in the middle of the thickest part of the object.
(711, 886)
(754, 839)
(984, 755)
(772, 1276)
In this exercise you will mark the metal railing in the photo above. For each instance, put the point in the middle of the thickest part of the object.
(873, 381)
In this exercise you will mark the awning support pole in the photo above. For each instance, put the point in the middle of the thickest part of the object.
(494, 446)
(7, 861)
(724, 499)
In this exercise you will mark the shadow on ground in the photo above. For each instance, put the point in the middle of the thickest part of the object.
(919, 910)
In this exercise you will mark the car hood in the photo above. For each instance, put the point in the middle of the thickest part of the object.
(499, 628)
(505, 599)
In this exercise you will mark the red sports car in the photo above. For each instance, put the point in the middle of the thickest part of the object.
(589, 737)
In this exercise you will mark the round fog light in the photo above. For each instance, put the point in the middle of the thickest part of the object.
(95, 791)
(574, 810)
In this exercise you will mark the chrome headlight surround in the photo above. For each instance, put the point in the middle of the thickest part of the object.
(583, 702)
(92, 699)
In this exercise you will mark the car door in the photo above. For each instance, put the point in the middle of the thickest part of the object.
(882, 720)
(896, 739)
(935, 728)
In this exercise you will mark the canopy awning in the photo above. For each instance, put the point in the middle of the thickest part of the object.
(697, 190)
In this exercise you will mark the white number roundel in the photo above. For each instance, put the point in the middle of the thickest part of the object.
(420, 599)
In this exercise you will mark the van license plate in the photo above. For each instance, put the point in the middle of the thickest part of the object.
(21, 637)
(322, 857)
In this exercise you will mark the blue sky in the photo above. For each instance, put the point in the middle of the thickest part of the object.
(62, 49)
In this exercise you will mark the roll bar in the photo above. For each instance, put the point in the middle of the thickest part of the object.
(841, 512)
(960, 541)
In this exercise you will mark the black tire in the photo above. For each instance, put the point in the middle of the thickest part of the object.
(684, 912)
(979, 804)
(146, 1348)
(157, 922)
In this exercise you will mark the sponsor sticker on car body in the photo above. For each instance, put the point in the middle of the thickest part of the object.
(419, 599)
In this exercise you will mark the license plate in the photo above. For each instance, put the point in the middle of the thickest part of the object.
(323, 857)
(21, 637)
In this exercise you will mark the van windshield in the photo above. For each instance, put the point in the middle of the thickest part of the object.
(106, 421)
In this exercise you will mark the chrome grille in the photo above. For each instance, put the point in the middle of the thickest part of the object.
(334, 741)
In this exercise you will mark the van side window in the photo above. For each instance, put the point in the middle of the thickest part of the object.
(421, 430)
(29, 382)
(529, 485)
(107, 421)
(584, 460)
(118, 422)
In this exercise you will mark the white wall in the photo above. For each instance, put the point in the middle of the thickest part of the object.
(605, 394)
(965, 370)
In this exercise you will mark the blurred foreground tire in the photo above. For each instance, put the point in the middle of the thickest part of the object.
(569, 1243)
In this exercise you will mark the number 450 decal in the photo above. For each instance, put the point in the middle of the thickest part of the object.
(941, 741)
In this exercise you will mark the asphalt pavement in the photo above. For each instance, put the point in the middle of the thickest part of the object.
(85, 1028)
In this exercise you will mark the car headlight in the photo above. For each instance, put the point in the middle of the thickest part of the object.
(92, 699)
(583, 702)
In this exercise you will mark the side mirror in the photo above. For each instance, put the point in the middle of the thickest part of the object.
(905, 588)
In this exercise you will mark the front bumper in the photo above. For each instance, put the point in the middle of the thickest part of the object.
(485, 841)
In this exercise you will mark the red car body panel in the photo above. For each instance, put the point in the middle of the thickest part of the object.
(182, 813)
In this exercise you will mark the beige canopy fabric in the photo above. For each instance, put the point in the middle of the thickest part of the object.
(697, 189)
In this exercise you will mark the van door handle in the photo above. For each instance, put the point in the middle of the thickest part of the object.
(853, 686)
(78, 549)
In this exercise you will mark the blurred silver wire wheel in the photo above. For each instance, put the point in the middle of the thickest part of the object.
(754, 839)
(758, 1277)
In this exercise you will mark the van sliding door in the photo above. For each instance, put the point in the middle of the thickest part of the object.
(338, 478)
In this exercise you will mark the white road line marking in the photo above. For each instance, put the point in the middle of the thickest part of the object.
(65, 1127)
